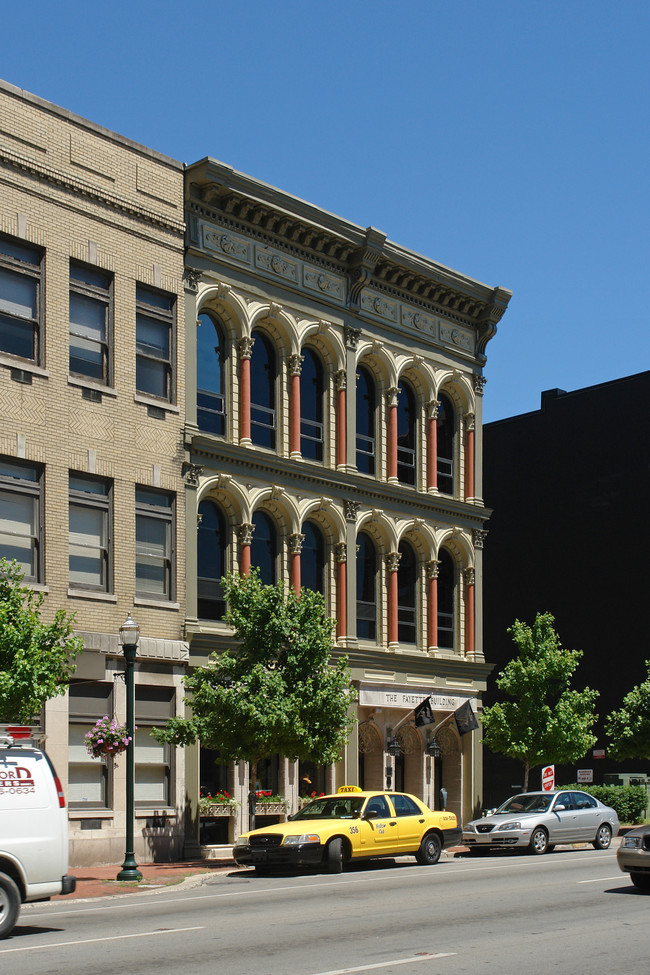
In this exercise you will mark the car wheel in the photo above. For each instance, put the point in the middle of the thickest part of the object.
(538, 841)
(335, 856)
(603, 837)
(641, 880)
(9, 905)
(430, 849)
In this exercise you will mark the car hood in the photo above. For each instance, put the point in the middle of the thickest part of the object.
(296, 827)
(497, 818)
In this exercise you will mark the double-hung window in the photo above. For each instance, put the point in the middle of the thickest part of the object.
(154, 548)
(154, 706)
(20, 299)
(21, 527)
(90, 322)
(90, 529)
(88, 780)
(154, 343)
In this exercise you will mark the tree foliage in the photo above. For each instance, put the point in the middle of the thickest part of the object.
(37, 659)
(629, 728)
(277, 692)
(544, 722)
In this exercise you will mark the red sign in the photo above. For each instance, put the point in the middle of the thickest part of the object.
(548, 778)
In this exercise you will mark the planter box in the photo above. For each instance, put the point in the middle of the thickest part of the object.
(220, 809)
(271, 808)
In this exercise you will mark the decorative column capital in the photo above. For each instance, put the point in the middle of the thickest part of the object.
(470, 422)
(433, 409)
(192, 474)
(392, 561)
(392, 395)
(433, 569)
(479, 384)
(192, 276)
(352, 336)
(351, 508)
(341, 552)
(245, 347)
(470, 577)
(295, 364)
(295, 542)
(341, 379)
(478, 536)
(245, 533)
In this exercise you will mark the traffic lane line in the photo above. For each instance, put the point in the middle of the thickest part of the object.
(92, 941)
(421, 956)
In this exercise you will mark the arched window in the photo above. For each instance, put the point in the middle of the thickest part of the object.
(263, 382)
(210, 376)
(406, 434)
(406, 595)
(446, 438)
(212, 544)
(366, 588)
(311, 406)
(264, 548)
(312, 560)
(366, 421)
(446, 600)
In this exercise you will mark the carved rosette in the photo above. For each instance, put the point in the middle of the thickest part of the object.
(245, 533)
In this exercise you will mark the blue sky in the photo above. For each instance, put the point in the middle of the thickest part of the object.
(507, 139)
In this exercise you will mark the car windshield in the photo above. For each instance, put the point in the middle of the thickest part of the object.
(331, 807)
(526, 803)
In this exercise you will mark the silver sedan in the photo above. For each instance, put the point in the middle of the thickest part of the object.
(540, 820)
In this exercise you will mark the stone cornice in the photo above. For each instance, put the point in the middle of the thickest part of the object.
(80, 188)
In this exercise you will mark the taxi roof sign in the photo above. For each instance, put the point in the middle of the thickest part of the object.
(349, 788)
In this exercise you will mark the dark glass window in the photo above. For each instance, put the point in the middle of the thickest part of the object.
(366, 588)
(88, 780)
(406, 595)
(89, 527)
(154, 541)
(406, 434)
(20, 300)
(211, 559)
(154, 343)
(366, 421)
(446, 600)
(20, 516)
(90, 312)
(210, 376)
(263, 382)
(264, 547)
(446, 437)
(311, 406)
(312, 560)
(154, 706)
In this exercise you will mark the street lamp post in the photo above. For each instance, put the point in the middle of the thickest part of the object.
(129, 636)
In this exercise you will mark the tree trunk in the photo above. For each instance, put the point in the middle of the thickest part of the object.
(526, 771)
(252, 793)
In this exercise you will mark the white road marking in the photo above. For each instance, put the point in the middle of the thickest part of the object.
(388, 964)
(600, 880)
(92, 941)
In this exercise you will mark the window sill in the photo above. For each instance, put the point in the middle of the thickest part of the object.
(160, 404)
(81, 812)
(90, 384)
(25, 365)
(155, 603)
(105, 597)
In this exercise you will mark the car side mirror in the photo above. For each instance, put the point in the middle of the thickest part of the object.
(560, 808)
(371, 814)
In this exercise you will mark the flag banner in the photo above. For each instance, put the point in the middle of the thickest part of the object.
(423, 713)
(465, 719)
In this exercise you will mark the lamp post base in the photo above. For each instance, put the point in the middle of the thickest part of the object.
(129, 869)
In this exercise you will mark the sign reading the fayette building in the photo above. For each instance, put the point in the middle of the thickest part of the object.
(374, 695)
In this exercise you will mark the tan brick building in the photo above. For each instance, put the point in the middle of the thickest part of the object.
(92, 377)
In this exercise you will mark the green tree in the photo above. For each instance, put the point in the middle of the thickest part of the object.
(37, 659)
(629, 728)
(278, 692)
(545, 721)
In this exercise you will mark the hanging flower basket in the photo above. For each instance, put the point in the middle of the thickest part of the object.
(107, 738)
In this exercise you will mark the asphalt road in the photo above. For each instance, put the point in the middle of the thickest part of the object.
(508, 914)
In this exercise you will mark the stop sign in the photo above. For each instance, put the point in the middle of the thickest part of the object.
(548, 778)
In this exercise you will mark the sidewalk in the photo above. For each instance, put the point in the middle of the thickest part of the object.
(101, 882)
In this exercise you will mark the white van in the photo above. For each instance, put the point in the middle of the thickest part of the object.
(33, 827)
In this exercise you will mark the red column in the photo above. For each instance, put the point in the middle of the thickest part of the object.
(245, 352)
(393, 564)
(432, 571)
(341, 591)
(432, 458)
(245, 533)
(470, 642)
(392, 433)
(295, 549)
(295, 367)
(341, 419)
(469, 460)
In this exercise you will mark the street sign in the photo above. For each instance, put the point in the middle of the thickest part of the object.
(598, 753)
(585, 775)
(548, 778)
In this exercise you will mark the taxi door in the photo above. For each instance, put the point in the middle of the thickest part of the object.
(380, 834)
(410, 822)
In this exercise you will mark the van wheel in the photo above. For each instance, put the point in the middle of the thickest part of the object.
(9, 905)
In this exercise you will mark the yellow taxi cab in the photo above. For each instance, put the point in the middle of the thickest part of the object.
(349, 826)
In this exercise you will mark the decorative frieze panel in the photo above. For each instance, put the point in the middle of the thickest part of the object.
(462, 338)
(421, 322)
(276, 263)
(379, 307)
(331, 286)
(227, 245)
